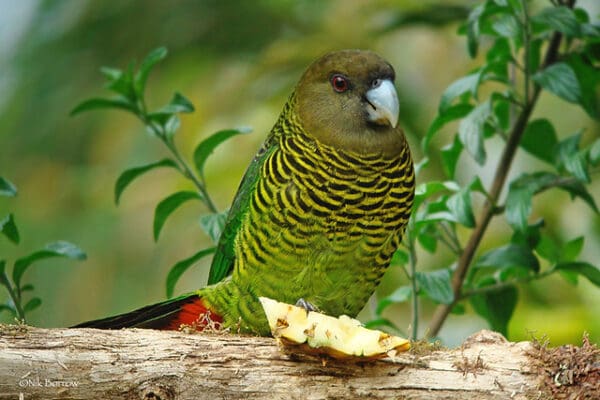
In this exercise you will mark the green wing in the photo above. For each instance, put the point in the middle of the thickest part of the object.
(223, 261)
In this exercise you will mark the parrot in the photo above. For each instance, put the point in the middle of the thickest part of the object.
(320, 210)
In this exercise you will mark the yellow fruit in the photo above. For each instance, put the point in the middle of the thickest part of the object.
(316, 333)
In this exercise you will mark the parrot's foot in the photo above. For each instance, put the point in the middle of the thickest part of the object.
(306, 305)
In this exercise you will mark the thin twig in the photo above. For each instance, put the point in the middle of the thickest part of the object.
(415, 294)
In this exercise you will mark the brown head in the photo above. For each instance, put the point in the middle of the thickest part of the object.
(347, 99)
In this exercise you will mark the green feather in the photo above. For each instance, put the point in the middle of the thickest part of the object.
(223, 261)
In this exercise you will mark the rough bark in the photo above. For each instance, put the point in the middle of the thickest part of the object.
(144, 364)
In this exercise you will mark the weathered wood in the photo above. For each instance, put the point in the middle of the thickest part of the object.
(144, 364)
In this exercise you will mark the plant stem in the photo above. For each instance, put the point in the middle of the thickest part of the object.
(415, 294)
(184, 167)
(187, 171)
(526, 38)
(13, 296)
(488, 211)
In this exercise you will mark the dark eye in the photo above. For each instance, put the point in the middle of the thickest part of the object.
(376, 82)
(340, 83)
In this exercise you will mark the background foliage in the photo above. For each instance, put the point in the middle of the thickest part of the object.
(237, 67)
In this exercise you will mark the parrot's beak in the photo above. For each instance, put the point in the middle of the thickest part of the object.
(382, 103)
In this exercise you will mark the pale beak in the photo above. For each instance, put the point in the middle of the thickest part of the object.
(382, 103)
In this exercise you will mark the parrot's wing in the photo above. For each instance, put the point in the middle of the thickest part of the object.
(222, 263)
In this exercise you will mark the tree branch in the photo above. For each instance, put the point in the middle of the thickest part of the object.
(488, 211)
(146, 364)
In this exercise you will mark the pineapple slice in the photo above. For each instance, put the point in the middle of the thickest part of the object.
(320, 334)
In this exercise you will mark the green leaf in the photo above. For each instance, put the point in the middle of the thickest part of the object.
(477, 186)
(535, 54)
(530, 236)
(571, 277)
(213, 224)
(522, 189)
(450, 114)
(450, 155)
(516, 6)
(178, 104)
(459, 204)
(588, 76)
(207, 146)
(509, 256)
(168, 205)
(55, 249)
(400, 257)
(560, 79)
(571, 159)
(436, 285)
(471, 131)
(32, 304)
(129, 175)
(520, 195)
(27, 288)
(571, 249)
(399, 295)
(518, 206)
(578, 189)
(591, 272)
(495, 71)
(111, 74)
(548, 249)
(473, 30)
(7, 188)
(512, 274)
(560, 19)
(507, 26)
(540, 140)
(594, 153)
(496, 306)
(178, 269)
(499, 52)
(429, 189)
(146, 66)
(458, 309)
(501, 113)
(172, 125)
(466, 84)
(98, 103)
(121, 82)
(9, 228)
(428, 242)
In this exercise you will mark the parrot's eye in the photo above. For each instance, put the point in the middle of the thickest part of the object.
(340, 83)
(376, 82)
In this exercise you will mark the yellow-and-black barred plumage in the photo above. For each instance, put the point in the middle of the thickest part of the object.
(321, 221)
(320, 210)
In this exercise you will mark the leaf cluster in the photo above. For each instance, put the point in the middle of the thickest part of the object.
(522, 59)
(15, 287)
(129, 88)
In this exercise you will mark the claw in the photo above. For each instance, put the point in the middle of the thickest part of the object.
(306, 305)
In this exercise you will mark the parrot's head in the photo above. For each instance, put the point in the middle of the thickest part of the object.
(347, 99)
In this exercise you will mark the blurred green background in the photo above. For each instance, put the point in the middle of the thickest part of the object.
(237, 61)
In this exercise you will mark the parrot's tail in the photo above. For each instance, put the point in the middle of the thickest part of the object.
(168, 315)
